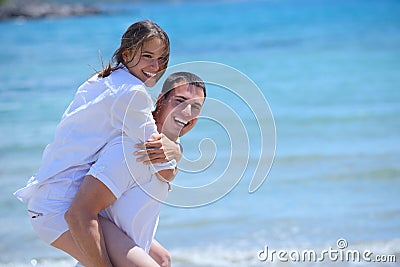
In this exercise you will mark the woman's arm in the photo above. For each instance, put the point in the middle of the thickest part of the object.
(158, 149)
(131, 112)
(167, 175)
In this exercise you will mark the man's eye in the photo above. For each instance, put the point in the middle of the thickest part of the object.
(196, 109)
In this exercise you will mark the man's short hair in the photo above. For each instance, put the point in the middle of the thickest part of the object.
(187, 77)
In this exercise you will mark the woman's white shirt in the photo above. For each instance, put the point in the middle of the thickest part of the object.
(103, 108)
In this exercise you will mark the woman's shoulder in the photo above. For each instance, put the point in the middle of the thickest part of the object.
(93, 83)
(122, 77)
(121, 82)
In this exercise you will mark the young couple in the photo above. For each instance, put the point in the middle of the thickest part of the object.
(97, 193)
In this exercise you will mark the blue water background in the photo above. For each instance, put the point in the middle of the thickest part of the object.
(330, 71)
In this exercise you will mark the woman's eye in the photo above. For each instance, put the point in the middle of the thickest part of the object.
(162, 60)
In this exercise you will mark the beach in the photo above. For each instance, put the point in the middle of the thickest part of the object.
(330, 73)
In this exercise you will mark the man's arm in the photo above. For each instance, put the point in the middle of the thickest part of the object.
(83, 221)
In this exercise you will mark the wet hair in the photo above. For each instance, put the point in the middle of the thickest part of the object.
(133, 39)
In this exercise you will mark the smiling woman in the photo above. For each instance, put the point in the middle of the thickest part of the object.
(144, 50)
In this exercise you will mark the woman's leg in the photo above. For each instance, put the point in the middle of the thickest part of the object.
(67, 244)
(121, 249)
(160, 254)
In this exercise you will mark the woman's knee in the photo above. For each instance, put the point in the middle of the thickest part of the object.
(166, 260)
(67, 244)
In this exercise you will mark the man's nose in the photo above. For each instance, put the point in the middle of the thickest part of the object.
(187, 111)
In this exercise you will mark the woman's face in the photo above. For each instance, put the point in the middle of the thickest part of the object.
(146, 62)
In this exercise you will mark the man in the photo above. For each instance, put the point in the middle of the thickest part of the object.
(128, 194)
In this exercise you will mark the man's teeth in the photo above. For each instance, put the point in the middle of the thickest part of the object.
(149, 74)
(181, 122)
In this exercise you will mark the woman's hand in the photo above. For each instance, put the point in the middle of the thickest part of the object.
(158, 149)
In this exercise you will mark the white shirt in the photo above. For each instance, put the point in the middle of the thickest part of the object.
(136, 211)
(102, 109)
(138, 192)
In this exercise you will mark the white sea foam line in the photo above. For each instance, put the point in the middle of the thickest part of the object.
(214, 256)
(228, 256)
(41, 263)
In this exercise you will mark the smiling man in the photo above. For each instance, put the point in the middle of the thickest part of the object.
(128, 194)
(178, 109)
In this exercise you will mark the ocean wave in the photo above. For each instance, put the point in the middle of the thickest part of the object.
(228, 255)
(40, 263)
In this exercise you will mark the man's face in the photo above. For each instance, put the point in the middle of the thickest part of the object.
(180, 110)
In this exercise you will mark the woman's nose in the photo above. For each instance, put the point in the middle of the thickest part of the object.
(155, 65)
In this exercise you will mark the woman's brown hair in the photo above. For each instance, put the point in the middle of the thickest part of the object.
(133, 39)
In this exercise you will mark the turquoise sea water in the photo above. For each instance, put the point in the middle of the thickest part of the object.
(330, 71)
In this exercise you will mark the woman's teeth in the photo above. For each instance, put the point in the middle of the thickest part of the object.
(149, 74)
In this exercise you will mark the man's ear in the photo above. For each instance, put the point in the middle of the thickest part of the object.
(161, 98)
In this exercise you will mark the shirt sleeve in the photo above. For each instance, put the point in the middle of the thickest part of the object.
(132, 113)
